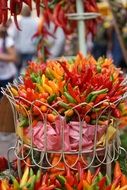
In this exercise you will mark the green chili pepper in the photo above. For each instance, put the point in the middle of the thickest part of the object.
(108, 180)
(15, 182)
(49, 75)
(38, 175)
(31, 187)
(69, 97)
(99, 68)
(61, 179)
(24, 122)
(92, 95)
(51, 98)
(31, 172)
(64, 105)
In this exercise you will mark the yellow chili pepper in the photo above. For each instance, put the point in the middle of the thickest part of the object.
(24, 177)
(14, 91)
(48, 89)
(123, 188)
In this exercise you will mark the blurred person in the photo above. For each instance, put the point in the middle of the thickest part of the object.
(100, 42)
(114, 49)
(7, 58)
(56, 44)
(25, 46)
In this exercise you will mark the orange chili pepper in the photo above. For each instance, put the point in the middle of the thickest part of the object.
(117, 170)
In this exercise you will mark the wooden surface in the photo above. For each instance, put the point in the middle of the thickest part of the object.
(6, 116)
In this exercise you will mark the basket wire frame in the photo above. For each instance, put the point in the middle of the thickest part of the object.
(97, 155)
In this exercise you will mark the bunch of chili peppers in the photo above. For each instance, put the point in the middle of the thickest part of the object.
(67, 180)
(56, 12)
(93, 87)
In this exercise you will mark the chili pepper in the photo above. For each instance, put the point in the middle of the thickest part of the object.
(80, 170)
(28, 83)
(100, 97)
(114, 98)
(56, 14)
(38, 7)
(101, 183)
(28, 2)
(51, 117)
(123, 180)
(15, 182)
(68, 186)
(91, 96)
(86, 185)
(69, 97)
(108, 180)
(80, 185)
(44, 108)
(69, 176)
(51, 98)
(31, 172)
(89, 177)
(45, 179)
(69, 113)
(51, 187)
(38, 179)
(30, 94)
(32, 184)
(14, 91)
(48, 89)
(123, 188)
(116, 112)
(24, 177)
(108, 187)
(73, 94)
(87, 118)
(61, 179)
(117, 170)
(23, 123)
(4, 11)
(17, 11)
(64, 105)
(113, 89)
(95, 174)
(116, 182)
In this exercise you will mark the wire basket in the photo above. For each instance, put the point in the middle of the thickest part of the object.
(90, 144)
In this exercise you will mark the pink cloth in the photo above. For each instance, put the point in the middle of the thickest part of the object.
(51, 138)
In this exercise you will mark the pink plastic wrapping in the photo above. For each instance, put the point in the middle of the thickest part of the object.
(50, 137)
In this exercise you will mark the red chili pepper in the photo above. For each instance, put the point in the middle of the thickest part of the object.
(80, 185)
(113, 89)
(100, 97)
(3, 164)
(38, 7)
(73, 93)
(30, 94)
(101, 183)
(95, 174)
(56, 14)
(28, 83)
(45, 179)
(116, 112)
(69, 176)
(4, 11)
(114, 98)
(68, 187)
(109, 187)
(28, 2)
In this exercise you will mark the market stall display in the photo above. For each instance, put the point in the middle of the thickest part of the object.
(69, 107)
(67, 112)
